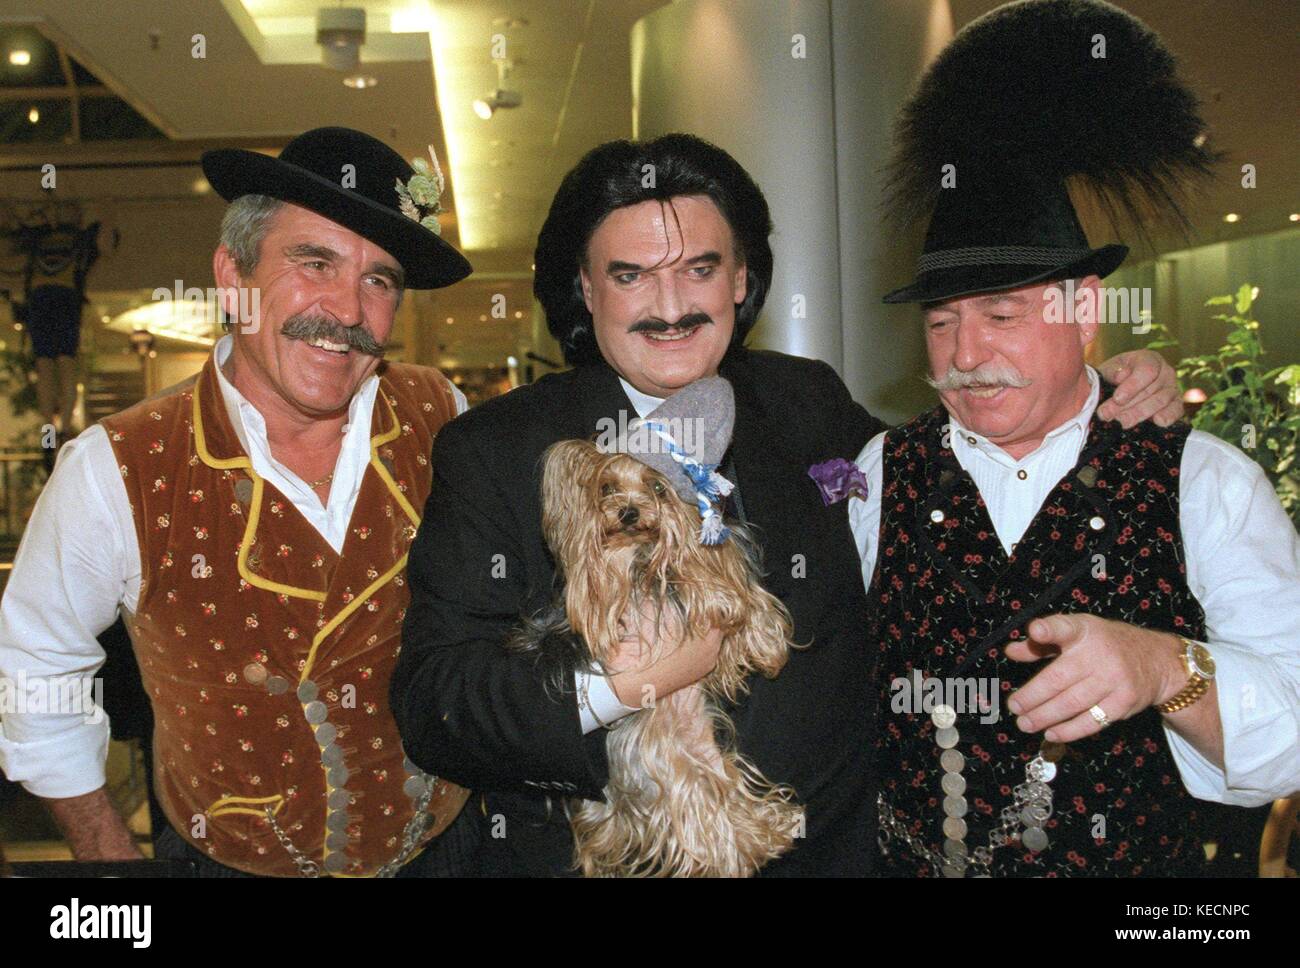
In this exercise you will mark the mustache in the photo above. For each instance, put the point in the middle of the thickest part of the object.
(986, 375)
(321, 327)
(653, 324)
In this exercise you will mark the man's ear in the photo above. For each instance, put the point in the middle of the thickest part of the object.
(585, 279)
(740, 284)
(228, 281)
(1088, 318)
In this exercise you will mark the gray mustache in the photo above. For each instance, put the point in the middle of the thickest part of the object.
(319, 327)
(984, 376)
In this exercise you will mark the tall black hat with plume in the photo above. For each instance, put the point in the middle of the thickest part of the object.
(1031, 97)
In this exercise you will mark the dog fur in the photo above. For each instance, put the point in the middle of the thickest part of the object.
(681, 801)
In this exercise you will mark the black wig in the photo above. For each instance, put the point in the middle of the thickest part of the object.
(615, 175)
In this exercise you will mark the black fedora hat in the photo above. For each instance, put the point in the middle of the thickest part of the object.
(1002, 235)
(1035, 96)
(310, 172)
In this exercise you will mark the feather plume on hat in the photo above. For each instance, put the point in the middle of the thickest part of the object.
(1029, 88)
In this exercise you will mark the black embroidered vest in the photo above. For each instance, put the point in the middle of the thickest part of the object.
(947, 599)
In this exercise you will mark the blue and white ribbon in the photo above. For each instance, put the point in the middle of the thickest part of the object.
(709, 485)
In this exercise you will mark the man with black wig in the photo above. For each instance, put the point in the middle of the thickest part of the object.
(652, 268)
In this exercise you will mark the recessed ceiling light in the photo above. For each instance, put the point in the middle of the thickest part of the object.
(33, 115)
(450, 320)
(200, 186)
(1294, 216)
(482, 318)
(20, 57)
(1232, 217)
(360, 82)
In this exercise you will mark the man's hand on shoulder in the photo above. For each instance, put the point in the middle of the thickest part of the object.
(1146, 388)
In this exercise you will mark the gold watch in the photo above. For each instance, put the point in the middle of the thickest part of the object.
(1200, 673)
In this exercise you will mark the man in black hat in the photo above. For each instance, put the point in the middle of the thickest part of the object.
(251, 525)
(648, 288)
(1015, 522)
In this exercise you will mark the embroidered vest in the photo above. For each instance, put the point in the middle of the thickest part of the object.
(266, 654)
(947, 599)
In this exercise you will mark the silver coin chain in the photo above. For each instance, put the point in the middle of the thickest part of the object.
(412, 835)
(1020, 821)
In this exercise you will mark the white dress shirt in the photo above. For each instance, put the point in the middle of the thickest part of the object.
(79, 560)
(1243, 567)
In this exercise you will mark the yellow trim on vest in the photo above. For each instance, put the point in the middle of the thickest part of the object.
(245, 546)
(383, 471)
(254, 512)
(201, 444)
(387, 576)
(220, 807)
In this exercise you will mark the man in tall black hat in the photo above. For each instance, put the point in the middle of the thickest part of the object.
(1014, 523)
(648, 287)
(252, 526)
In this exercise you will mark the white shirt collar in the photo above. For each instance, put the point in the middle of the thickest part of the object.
(643, 403)
(1079, 422)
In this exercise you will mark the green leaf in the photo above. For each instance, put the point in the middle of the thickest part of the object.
(1290, 375)
(1219, 301)
(1245, 296)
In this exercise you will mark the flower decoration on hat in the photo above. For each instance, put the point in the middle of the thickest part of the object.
(420, 197)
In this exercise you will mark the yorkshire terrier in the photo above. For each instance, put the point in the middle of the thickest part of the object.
(681, 801)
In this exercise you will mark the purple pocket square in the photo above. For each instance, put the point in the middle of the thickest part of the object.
(838, 479)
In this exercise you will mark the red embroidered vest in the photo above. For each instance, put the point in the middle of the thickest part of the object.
(266, 654)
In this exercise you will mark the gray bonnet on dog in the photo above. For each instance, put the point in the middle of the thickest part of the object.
(685, 438)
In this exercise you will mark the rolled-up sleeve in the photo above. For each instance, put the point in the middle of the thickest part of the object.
(69, 576)
(1243, 566)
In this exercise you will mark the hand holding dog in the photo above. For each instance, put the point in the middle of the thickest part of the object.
(638, 681)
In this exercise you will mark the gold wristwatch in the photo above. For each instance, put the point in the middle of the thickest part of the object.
(1200, 673)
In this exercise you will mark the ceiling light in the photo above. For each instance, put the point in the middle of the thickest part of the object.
(1294, 216)
(341, 31)
(359, 82)
(1232, 217)
(33, 115)
(20, 58)
(485, 107)
(502, 97)
(200, 186)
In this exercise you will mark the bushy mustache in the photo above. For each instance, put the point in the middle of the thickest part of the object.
(321, 327)
(653, 324)
(987, 375)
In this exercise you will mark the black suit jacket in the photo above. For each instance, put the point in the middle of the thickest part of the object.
(482, 717)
